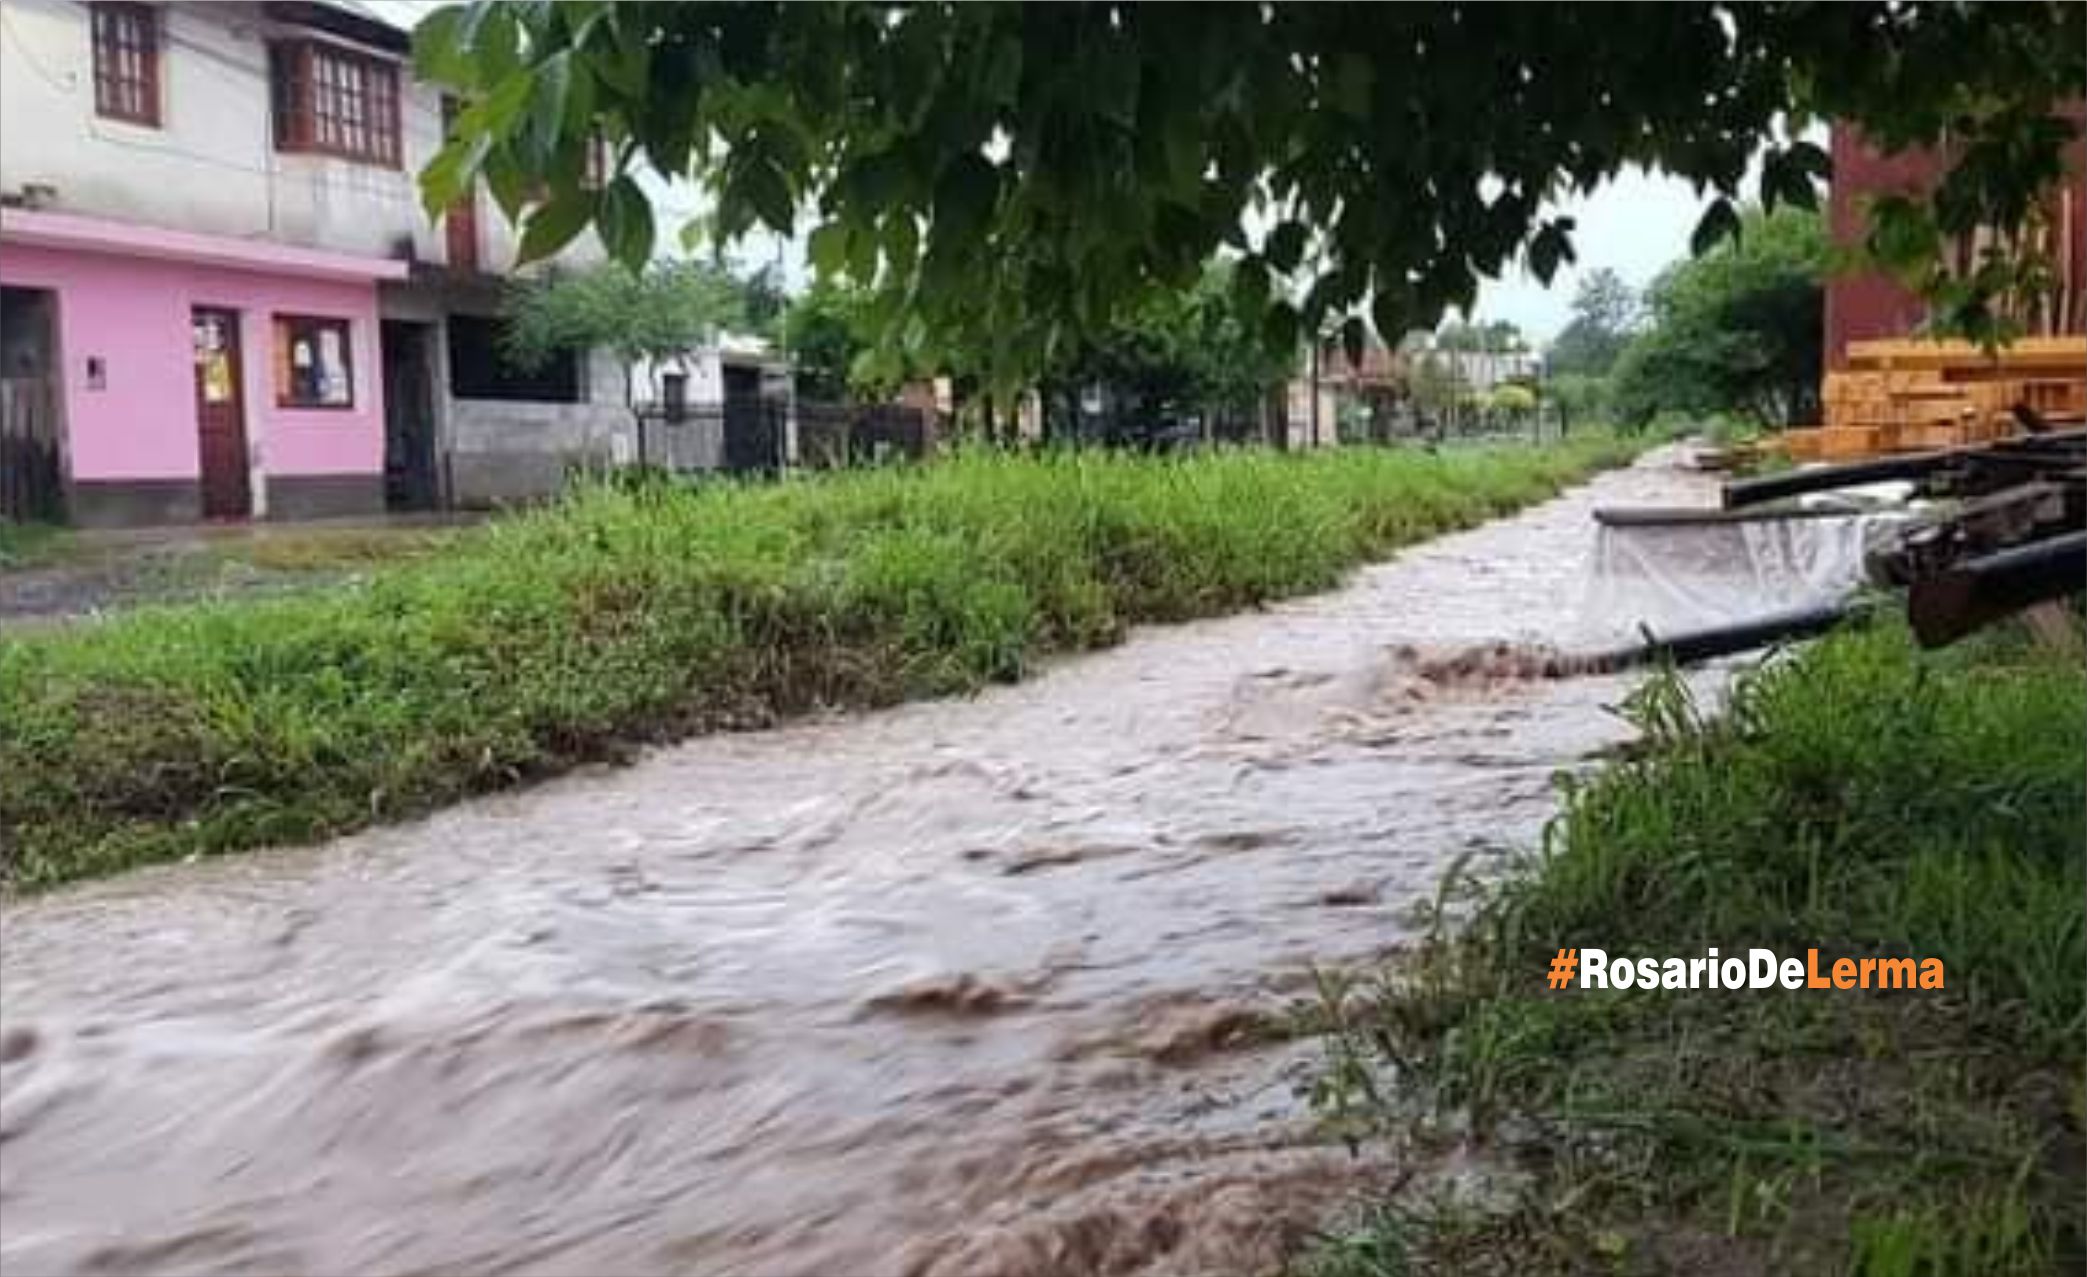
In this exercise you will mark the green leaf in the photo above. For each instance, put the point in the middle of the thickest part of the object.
(495, 39)
(902, 242)
(553, 225)
(1720, 222)
(509, 182)
(625, 62)
(439, 52)
(1112, 77)
(1552, 245)
(497, 113)
(1286, 246)
(447, 177)
(1250, 287)
(1353, 80)
(965, 195)
(1388, 311)
(1003, 75)
(625, 222)
(1354, 340)
(1279, 327)
(1786, 176)
(761, 185)
(827, 248)
(547, 99)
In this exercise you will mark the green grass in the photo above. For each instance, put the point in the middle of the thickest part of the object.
(27, 545)
(622, 616)
(1864, 798)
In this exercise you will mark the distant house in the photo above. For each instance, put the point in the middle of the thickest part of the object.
(221, 296)
(1865, 305)
(728, 405)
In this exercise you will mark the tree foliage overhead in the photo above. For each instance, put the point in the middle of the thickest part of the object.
(1739, 329)
(1026, 171)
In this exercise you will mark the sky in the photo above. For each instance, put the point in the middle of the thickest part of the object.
(1634, 226)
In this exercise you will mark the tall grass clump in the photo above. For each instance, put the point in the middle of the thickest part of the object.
(1864, 798)
(625, 615)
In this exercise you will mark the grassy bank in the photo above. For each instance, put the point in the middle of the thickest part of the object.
(1866, 799)
(562, 636)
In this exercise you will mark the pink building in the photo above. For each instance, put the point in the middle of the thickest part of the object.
(220, 297)
(204, 377)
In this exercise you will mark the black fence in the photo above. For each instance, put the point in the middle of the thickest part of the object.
(750, 436)
(830, 436)
(739, 437)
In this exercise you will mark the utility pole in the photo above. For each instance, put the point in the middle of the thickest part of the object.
(1315, 391)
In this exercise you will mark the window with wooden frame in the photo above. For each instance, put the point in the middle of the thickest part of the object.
(334, 101)
(126, 62)
(314, 363)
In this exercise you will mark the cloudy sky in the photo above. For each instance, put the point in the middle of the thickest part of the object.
(1634, 226)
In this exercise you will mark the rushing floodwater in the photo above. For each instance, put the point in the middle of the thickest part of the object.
(955, 988)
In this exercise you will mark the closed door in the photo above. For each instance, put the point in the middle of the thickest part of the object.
(220, 414)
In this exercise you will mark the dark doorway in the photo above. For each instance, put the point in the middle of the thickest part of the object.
(753, 434)
(220, 414)
(410, 477)
(31, 482)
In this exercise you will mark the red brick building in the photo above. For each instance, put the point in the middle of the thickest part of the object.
(1865, 305)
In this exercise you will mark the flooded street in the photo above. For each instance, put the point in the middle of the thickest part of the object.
(962, 987)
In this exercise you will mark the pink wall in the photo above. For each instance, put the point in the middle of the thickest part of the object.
(133, 313)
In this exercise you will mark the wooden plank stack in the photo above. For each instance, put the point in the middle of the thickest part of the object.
(1912, 396)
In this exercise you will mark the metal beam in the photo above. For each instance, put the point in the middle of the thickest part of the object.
(1945, 607)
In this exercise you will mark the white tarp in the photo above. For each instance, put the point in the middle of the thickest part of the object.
(1672, 579)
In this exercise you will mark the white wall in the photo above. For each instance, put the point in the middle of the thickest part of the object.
(503, 451)
(212, 165)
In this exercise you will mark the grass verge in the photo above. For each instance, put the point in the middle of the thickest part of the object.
(1864, 798)
(27, 545)
(566, 635)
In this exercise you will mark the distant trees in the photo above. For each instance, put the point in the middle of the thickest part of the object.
(823, 331)
(1605, 311)
(764, 301)
(1176, 353)
(1498, 337)
(1739, 329)
(1511, 399)
(647, 318)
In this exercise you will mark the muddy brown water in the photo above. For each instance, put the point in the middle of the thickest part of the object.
(962, 987)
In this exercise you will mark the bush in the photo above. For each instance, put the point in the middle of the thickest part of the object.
(1866, 799)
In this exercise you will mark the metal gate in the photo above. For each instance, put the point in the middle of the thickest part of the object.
(831, 435)
(31, 486)
(753, 435)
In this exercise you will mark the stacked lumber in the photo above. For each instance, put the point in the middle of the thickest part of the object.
(1913, 396)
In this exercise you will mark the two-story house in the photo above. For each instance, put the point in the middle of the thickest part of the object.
(221, 293)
